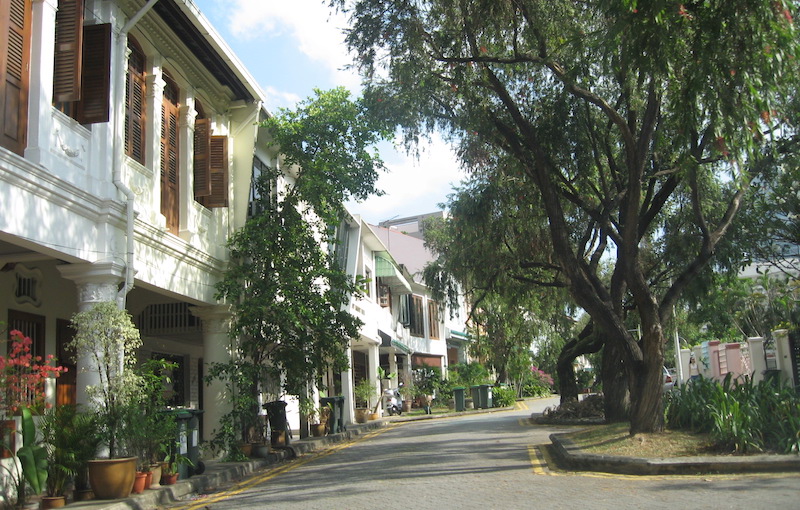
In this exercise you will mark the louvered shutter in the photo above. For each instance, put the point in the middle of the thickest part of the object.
(94, 106)
(170, 205)
(15, 38)
(219, 172)
(202, 161)
(135, 105)
(69, 37)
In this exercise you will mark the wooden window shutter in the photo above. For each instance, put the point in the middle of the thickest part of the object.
(219, 173)
(170, 191)
(94, 106)
(69, 37)
(15, 38)
(202, 159)
(135, 105)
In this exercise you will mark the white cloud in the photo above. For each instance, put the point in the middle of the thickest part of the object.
(317, 30)
(279, 98)
(413, 185)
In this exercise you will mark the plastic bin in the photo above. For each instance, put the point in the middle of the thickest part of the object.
(475, 391)
(486, 396)
(278, 424)
(188, 440)
(459, 397)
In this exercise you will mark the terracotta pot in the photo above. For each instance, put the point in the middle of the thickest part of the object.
(53, 502)
(246, 448)
(169, 479)
(112, 478)
(318, 429)
(148, 479)
(374, 416)
(362, 415)
(139, 482)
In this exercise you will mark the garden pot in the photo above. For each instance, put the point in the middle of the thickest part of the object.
(112, 478)
(246, 449)
(155, 475)
(169, 479)
(362, 415)
(278, 438)
(318, 429)
(139, 482)
(261, 450)
(374, 416)
(83, 495)
(53, 502)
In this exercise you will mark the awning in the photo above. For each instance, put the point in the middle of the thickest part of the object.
(388, 341)
(390, 274)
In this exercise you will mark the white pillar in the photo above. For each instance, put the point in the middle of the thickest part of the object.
(216, 349)
(757, 359)
(349, 415)
(372, 373)
(97, 283)
(40, 101)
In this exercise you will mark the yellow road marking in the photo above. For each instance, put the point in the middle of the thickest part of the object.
(272, 473)
(537, 462)
(521, 405)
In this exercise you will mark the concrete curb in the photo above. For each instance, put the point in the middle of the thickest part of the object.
(569, 455)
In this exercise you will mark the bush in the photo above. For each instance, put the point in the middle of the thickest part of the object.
(504, 396)
(537, 383)
(740, 416)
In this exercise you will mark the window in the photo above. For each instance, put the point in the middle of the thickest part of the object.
(81, 78)
(416, 316)
(368, 282)
(262, 187)
(15, 39)
(433, 319)
(210, 164)
(135, 103)
(170, 190)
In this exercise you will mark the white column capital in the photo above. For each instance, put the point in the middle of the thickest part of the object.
(97, 282)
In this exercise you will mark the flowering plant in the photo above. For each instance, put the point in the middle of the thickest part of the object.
(22, 376)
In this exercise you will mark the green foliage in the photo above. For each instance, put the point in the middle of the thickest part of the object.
(428, 380)
(467, 374)
(741, 416)
(365, 392)
(623, 123)
(503, 396)
(72, 441)
(152, 427)
(536, 383)
(32, 456)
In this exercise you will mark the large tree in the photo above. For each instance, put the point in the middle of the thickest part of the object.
(614, 111)
(287, 291)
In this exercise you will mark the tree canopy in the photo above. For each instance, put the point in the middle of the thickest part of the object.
(616, 113)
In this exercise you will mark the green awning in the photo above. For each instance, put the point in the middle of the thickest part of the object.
(391, 275)
(400, 345)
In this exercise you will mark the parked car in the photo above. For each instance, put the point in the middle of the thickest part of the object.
(669, 380)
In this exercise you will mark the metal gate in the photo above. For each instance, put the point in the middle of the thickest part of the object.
(794, 354)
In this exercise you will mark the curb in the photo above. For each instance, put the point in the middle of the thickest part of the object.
(569, 455)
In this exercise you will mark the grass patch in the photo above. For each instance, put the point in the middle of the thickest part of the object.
(614, 439)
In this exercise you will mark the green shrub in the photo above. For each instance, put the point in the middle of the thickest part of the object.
(504, 396)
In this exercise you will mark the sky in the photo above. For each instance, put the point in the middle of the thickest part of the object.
(292, 47)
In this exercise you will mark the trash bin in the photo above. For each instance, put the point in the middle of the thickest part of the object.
(188, 440)
(475, 391)
(278, 424)
(486, 396)
(458, 396)
(336, 421)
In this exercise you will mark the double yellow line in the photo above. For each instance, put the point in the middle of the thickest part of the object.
(272, 473)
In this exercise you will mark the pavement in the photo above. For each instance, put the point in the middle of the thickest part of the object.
(566, 454)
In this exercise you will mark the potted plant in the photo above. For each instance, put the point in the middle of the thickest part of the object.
(172, 463)
(63, 434)
(407, 394)
(317, 416)
(32, 458)
(106, 340)
(364, 392)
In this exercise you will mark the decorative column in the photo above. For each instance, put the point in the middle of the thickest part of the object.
(97, 283)
(372, 372)
(349, 415)
(216, 349)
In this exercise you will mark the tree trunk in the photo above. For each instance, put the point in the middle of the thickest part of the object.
(616, 397)
(567, 385)
(647, 386)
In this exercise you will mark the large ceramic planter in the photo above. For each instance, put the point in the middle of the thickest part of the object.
(112, 478)
(278, 438)
(318, 429)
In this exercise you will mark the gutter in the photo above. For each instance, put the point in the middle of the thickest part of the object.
(119, 156)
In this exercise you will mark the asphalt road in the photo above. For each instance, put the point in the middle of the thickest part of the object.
(487, 461)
